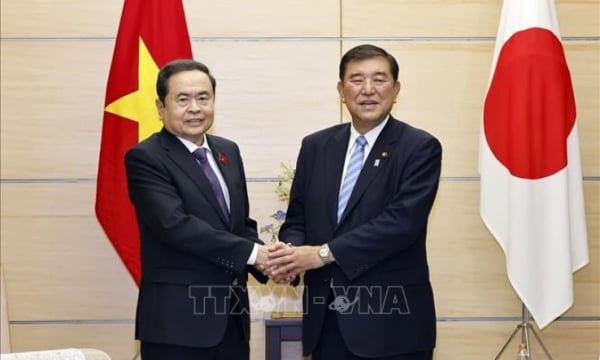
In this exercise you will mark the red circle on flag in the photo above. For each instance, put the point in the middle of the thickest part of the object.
(529, 110)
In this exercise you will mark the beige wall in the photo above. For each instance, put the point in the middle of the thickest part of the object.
(276, 63)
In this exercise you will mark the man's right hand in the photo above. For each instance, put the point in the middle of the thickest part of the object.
(265, 254)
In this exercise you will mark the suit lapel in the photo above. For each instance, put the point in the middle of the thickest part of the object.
(188, 164)
(375, 163)
(222, 159)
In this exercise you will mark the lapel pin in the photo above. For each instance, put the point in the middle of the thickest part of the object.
(376, 164)
(222, 159)
(384, 154)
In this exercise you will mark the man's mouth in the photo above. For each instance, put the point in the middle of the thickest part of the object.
(368, 103)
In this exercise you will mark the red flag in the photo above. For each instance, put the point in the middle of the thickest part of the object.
(531, 184)
(151, 33)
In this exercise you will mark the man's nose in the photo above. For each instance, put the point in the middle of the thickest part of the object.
(368, 87)
(195, 105)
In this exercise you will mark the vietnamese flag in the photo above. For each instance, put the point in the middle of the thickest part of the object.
(531, 181)
(151, 34)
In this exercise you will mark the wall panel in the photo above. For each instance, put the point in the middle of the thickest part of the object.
(267, 100)
(52, 102)
(226, 18)
(388, 18)
(586, 85)
(63, 268)
(56, 19)
(483, 340)
(263, 18)
(467, 265)
(454, 18)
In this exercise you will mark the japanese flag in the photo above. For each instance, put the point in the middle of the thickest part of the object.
(531, 181)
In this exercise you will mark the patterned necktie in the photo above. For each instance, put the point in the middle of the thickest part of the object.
(200, 154)
(354, 166)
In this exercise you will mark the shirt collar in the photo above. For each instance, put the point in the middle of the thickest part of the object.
(192, 147)
(371, 135)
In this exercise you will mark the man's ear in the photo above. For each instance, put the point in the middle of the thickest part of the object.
(340, 90)
(160, 107)
(397, 90)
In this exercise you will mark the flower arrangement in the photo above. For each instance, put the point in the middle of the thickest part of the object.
(282, 189)
(281, 301)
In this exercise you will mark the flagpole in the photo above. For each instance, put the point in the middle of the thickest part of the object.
(525, 326)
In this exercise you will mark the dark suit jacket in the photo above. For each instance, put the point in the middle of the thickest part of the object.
(191, 255)
(381, 278)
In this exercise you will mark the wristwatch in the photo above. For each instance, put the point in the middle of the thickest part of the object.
(324, 254)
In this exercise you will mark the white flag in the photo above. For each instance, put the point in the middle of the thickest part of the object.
(531, 185)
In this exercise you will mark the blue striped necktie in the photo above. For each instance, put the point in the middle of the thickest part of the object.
(352, 172)
(200, 155)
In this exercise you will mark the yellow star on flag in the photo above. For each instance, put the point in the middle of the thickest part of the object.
(140, 105)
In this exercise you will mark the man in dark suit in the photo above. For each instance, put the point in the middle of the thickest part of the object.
(197, 240)
(357, 223)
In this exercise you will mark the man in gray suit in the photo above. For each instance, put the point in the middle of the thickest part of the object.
(357, 222)
(197, 240)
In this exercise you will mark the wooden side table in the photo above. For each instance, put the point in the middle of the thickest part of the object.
(281, 327)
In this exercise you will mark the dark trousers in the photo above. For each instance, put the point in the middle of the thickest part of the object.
(331, 345)
(233, 347)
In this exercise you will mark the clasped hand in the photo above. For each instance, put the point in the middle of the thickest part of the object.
(283, 262)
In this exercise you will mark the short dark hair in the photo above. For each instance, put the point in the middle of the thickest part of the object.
(367, 51)
(177, 66)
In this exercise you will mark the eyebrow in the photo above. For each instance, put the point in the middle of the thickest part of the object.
(184, 93)
(381, 73)
(378, 73)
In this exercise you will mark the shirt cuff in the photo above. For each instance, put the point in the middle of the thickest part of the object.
(253, 254)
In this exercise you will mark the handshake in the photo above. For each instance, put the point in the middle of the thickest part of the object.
(283, 262)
